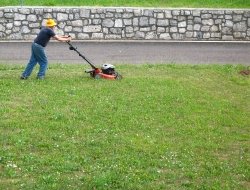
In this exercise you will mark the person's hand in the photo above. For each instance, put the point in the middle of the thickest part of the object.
(69, 38)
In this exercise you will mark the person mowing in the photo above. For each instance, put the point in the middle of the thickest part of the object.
(38, 50)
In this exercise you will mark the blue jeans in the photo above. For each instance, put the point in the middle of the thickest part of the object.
(37, 55)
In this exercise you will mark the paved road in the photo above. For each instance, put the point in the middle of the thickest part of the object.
(134, 52)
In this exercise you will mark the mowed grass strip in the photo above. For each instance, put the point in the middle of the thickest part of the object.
(127, 3)
(161, 127)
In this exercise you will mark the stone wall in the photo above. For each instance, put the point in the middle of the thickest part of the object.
(91, 23)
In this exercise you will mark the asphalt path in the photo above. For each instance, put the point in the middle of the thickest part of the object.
(134, 52)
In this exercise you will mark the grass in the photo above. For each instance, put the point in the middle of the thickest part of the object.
(161, 127)
(145, 3)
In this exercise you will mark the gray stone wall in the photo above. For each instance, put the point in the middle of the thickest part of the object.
(91, 23)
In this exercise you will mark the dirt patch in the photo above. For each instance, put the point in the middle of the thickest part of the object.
(245, 72)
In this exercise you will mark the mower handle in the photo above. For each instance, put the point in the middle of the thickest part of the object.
(71, 47)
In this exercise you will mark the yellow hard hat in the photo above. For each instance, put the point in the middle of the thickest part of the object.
(50, 22)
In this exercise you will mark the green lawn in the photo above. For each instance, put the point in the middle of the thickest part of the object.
(145, 3)
(161, 127)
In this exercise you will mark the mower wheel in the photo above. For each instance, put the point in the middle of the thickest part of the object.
(97, 76)
(118, 76)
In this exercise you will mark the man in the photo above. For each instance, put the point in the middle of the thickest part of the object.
(38, 50)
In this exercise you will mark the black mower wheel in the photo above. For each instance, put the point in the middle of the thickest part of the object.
(118, 76)
(97, 76)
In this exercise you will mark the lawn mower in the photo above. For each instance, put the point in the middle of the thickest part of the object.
(107, 71)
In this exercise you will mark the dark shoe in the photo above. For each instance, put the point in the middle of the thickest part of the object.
(23, 78)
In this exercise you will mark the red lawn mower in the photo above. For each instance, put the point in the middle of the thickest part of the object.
(107, 71)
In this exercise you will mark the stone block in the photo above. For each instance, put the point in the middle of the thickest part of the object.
(190, 27)
(29, 36)
(177, 36)
(227, 38)
(118, 23)
(196, 13)
(248, 32)
(161, 29)
(197, 20)
(145, 29)
(160, 15)
(173, 29)
(205, 28)
(144, 21)
(112, 37)
(237, 18)
(77, 23)
(176, 12)
(84, 13)
(96, 21)
(32, 18)
(182, 24)
(189, 34)
(247, 13)
(135, 22)
(173, 22)
(119, 10)
(17, 23)
(9, 26)
(152, 21)
(61, 25)
(97, 36)
(151, 36)
(2, 28)
(1, 13)
(228, 17)
(206, 16)
(182, 30)
(240, 27)
(240, 12)
(214, 28)
(62, 17)
(129, 29)
(216, 35)
(18, 16)
(24, 11)
(168, 14)
(109, 15)
(108, 23)
(165, 36)
(130, 35)
(139, 35)
(218, 21)
(116, 30)
(208, 22)
(82, 36)
(181, 18)
(34, 25)
(206, 35)
(77, 29)
(74, 16)
(92, 28)
(68, 28)
(227, 31)
(162, 22)
(148, 12)
(127, 15)
(229, 23)
(137, 12)
(16, 29)
(187, 13)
